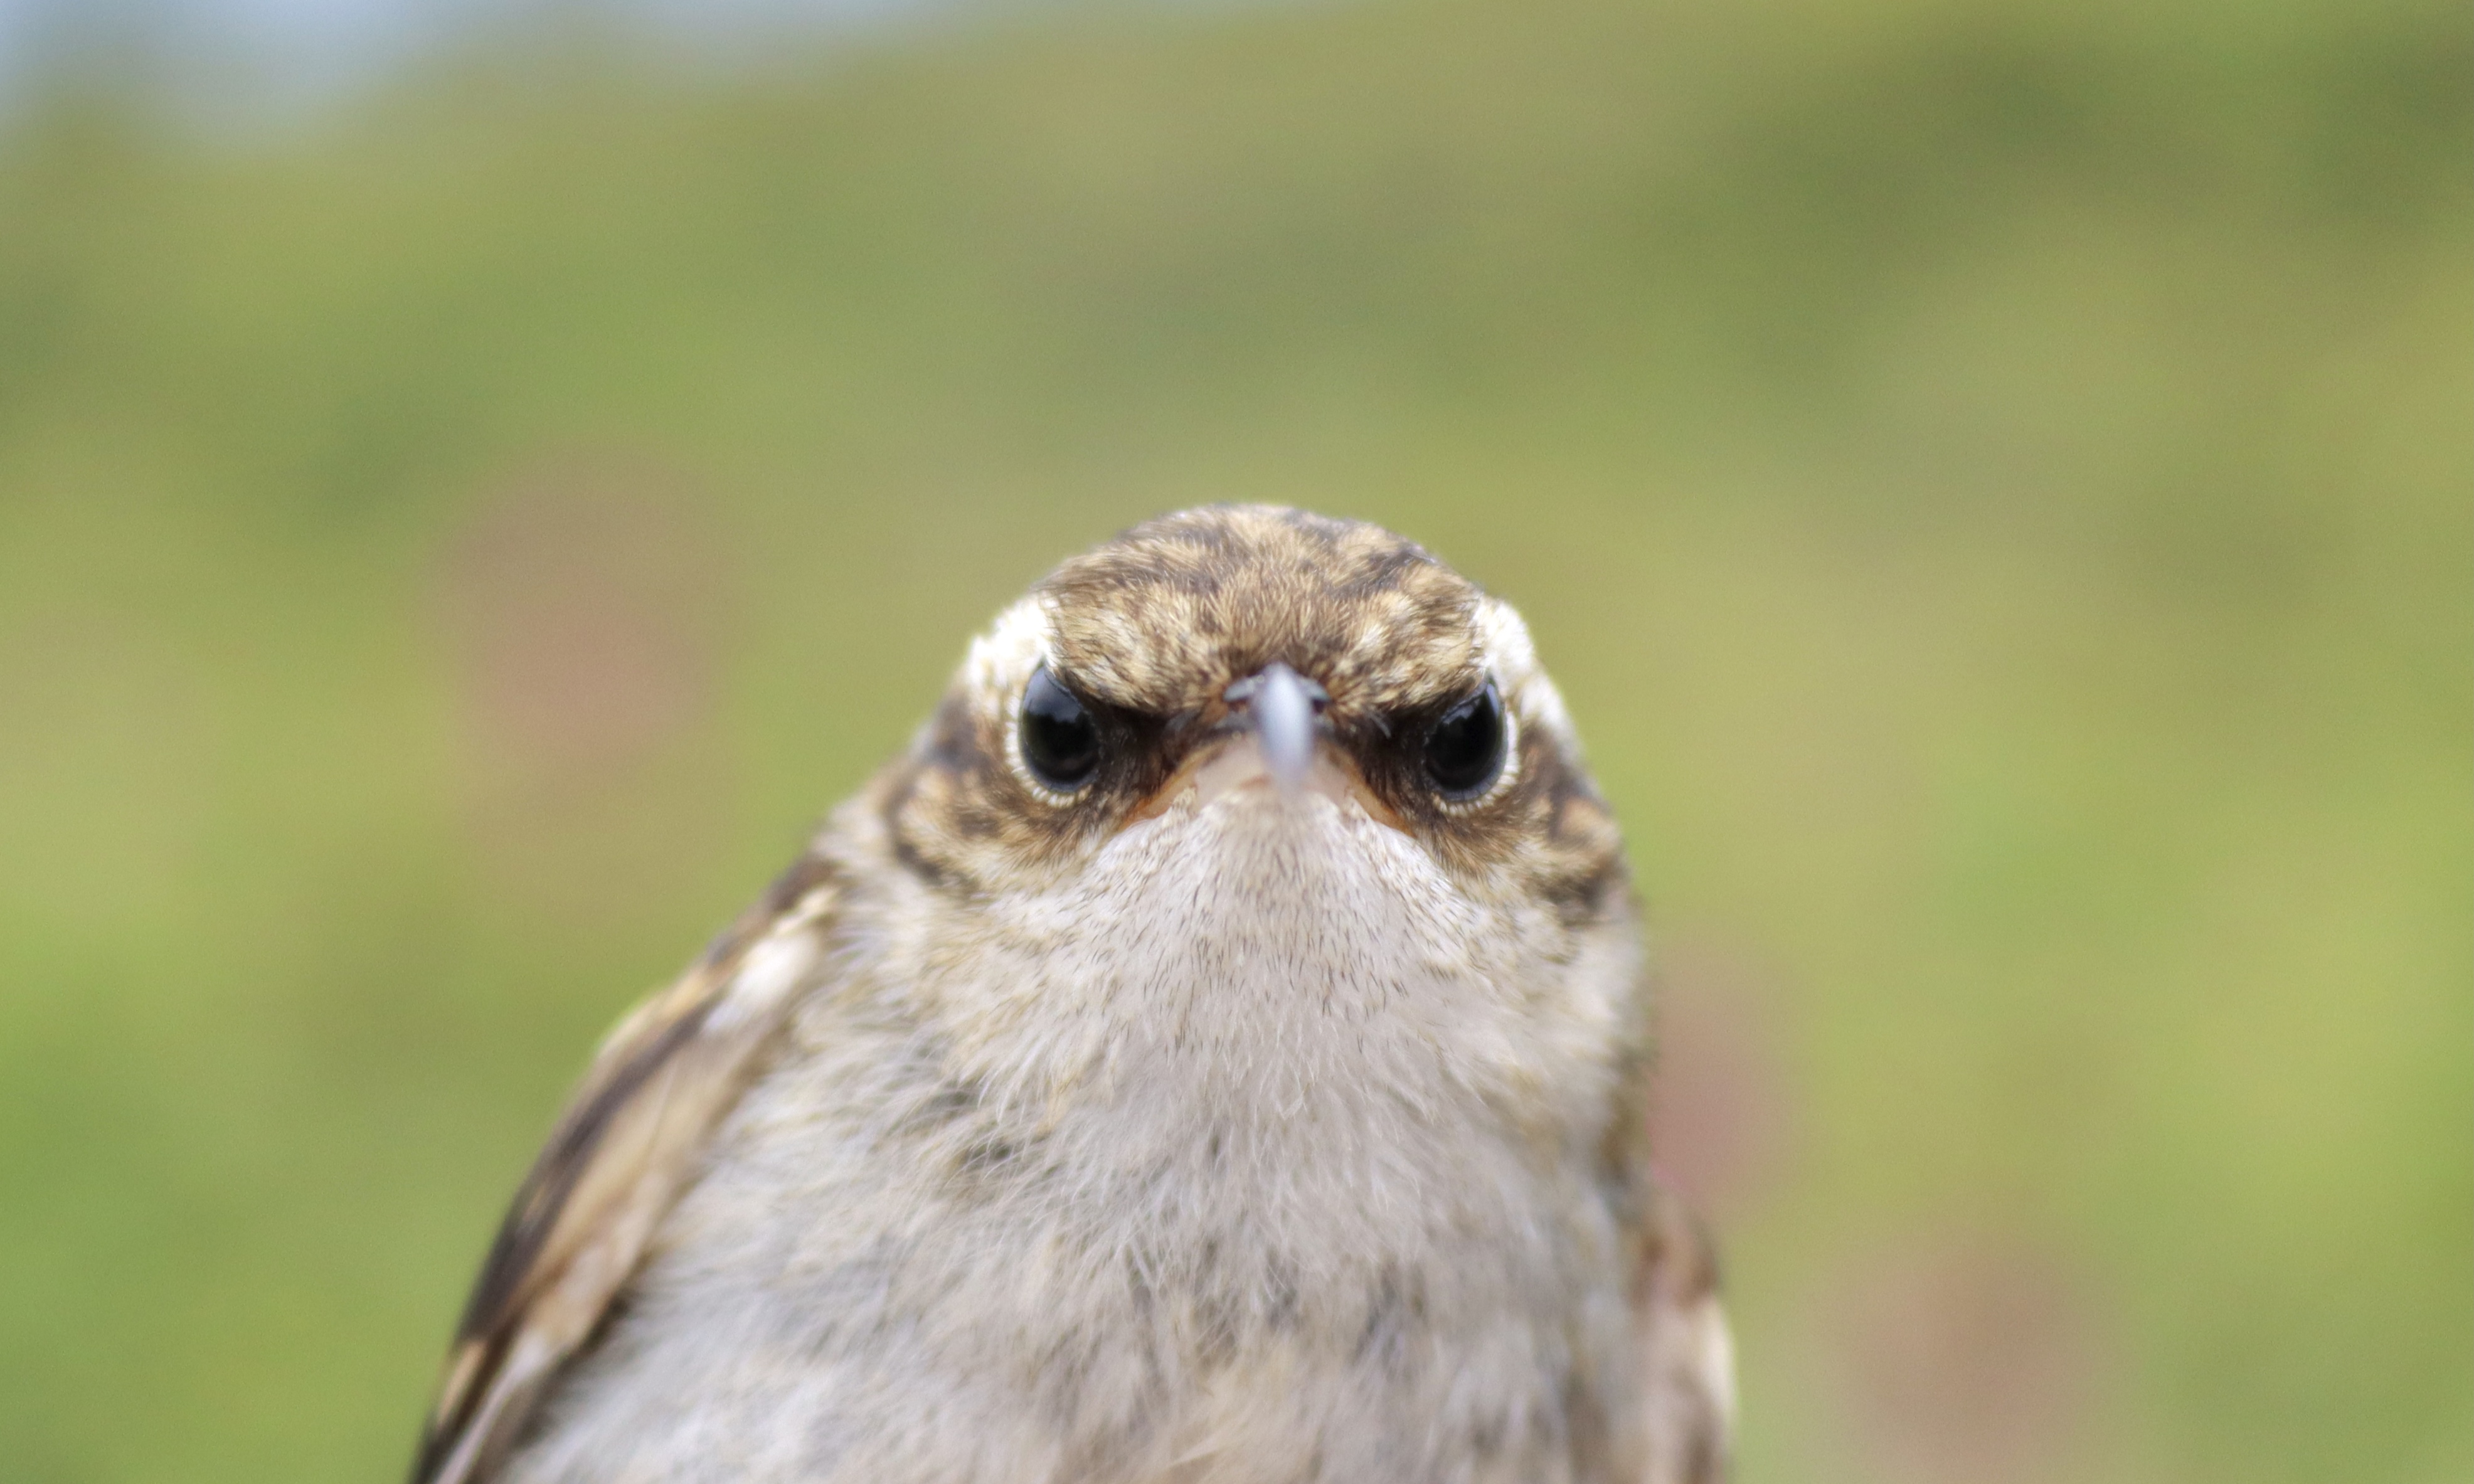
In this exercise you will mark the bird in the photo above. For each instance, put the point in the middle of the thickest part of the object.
(1216, 1049)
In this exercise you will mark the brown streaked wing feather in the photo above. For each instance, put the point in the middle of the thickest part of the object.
(1690, 1353)
(623, 1152)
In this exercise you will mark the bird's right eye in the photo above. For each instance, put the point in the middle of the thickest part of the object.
(1060, 744)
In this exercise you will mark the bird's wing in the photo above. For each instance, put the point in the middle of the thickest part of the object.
(1691, 1354)
(626, 1146)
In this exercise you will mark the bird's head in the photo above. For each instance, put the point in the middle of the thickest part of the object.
(1239, 676)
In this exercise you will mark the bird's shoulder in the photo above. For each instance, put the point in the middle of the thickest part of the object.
(1689, 1348)
(621, 1152)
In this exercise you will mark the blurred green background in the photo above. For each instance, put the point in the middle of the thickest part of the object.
(1996, 483)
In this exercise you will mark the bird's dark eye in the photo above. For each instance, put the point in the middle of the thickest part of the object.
(1465, 750)
(1059, 742)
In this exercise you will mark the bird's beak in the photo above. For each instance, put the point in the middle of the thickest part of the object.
(1283, 711)
(1281, 708)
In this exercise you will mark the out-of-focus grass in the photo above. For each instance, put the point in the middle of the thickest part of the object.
(1993, 481)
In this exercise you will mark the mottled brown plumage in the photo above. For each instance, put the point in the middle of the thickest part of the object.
(1306, 1120)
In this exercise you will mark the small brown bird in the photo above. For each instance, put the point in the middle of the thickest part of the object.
(1216, 1051)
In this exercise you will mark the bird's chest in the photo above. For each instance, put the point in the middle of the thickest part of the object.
(892, 1277)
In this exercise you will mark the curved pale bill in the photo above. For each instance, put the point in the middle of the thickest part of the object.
(1283, 713)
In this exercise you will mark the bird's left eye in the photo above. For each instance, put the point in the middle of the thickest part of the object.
(1465, 750)
(1060, 744)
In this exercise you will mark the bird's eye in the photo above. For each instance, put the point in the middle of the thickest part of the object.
(1465, 750)
(1059, 742)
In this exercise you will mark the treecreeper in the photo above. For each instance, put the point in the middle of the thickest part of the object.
(1216, 1051)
